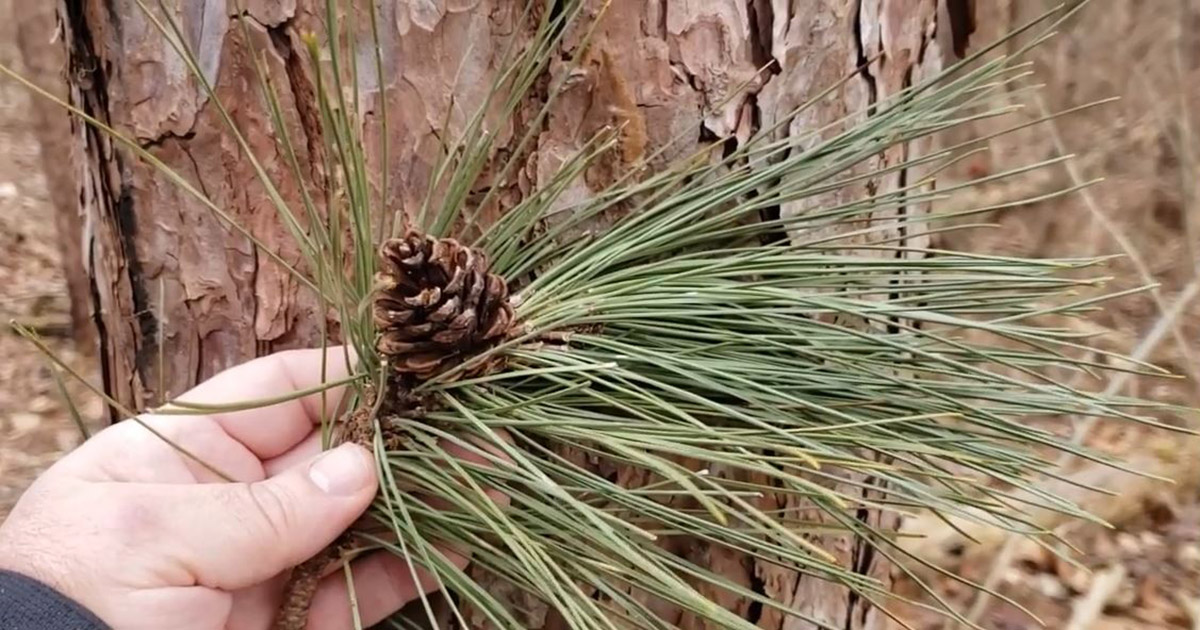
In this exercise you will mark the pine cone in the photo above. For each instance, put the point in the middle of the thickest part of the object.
(438, 306)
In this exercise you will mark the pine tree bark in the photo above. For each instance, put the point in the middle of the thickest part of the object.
(179, 296)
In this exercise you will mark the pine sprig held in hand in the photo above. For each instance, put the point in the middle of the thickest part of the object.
(697, 375)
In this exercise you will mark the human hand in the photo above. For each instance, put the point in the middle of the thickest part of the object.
(146, 537)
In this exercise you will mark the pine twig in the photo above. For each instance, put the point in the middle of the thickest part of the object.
(302, 584)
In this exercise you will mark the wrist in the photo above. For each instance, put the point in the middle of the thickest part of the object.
(29, 603)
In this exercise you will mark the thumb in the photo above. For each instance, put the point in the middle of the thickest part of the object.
(234, 535)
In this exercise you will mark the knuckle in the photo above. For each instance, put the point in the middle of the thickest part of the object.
(273, 508)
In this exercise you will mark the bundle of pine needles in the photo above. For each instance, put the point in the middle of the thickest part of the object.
(679, 374)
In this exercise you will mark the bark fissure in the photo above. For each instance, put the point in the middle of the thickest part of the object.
(961, 24)
(864, 60)
(758, 587)
(303, 95)
(163, 138)
(902, 210)
(195, 168)
(102, 337)
(761, 16)
(147, 322)
(864, 563)
(89, 93)
(261, 346)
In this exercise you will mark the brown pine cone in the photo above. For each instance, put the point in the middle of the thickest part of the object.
(438, 306)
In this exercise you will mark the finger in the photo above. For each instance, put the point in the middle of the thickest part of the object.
(307, 449)
(171, 450)
(383, 583)
(224, 446)
(256, 607)
(234, 535)
(270, 431)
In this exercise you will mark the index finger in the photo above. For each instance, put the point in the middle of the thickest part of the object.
(272, 429)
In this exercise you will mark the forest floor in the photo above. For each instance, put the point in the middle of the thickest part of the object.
(1143, 572)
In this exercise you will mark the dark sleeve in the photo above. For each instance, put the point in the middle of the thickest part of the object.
(26, 604)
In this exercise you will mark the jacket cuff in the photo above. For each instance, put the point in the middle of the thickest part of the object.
(27, 604)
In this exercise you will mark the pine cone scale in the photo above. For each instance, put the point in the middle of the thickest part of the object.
(447, 310)
(438, 306)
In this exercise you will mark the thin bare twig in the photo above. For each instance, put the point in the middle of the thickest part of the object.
(1118, 237)
(1187, 157)
(1089, 607)
(1191, 606)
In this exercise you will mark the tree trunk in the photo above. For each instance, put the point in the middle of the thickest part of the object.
(180, 296)
(45, 57)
